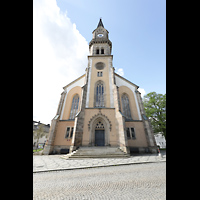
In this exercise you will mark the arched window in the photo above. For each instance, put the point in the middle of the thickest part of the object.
(99, 94)
(74, 108)
(126, 106)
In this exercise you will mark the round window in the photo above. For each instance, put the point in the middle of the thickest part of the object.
(100, 65)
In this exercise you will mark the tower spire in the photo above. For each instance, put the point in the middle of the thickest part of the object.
(100, 23)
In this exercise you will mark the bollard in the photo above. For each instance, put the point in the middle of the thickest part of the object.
(159, 153)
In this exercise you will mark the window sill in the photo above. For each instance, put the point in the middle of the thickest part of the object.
(64, 120)
(68, 139)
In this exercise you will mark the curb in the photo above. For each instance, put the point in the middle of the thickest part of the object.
(111, 165)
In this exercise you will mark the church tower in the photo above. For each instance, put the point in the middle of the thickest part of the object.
(100, 70)
(100, 43)
(100, 114)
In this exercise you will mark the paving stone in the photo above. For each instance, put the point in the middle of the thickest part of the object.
(144, 181)
(56, 162)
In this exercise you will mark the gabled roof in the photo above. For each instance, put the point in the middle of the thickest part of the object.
(126, 80)
(73, 81)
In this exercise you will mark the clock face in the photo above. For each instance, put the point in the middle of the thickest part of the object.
(100, 35)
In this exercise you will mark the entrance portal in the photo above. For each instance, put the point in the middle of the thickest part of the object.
(99, 138)
(99, 134)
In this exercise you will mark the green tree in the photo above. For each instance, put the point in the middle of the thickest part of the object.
(155, 108)
(39, 133)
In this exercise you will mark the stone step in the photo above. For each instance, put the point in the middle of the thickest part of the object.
(97, 156)
(97, 152)
(69, 154)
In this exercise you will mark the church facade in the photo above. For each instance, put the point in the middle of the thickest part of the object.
(100, 108)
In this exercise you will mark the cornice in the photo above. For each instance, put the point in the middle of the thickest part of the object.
(98, 40)
(100, 56)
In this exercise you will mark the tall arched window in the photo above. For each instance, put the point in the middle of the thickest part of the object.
(74, 108)
(126, 106)
(99, 94)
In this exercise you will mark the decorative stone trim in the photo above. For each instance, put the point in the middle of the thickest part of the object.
(100, 115)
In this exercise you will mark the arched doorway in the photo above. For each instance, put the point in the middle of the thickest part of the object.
(99, 133)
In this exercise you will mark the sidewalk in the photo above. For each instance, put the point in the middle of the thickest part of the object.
(47, 163)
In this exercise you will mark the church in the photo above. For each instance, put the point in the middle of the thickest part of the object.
(100, 114)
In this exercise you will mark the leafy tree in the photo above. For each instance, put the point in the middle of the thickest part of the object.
(155, 108)
(39, 133)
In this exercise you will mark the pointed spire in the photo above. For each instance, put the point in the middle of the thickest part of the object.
(100, 23)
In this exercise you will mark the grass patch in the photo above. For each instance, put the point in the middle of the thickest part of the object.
(37, 150)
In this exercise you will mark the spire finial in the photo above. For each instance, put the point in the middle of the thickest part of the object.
(100, 23)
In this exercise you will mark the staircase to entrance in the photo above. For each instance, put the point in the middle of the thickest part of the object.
(97, 152)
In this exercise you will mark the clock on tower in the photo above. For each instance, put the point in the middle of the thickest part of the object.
(100, 43)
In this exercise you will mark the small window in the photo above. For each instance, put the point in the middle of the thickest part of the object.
(72, 129)
(97, 51)
(99, 74)
(67, 132)
(102, 51)
(128, 133)
(133, 133)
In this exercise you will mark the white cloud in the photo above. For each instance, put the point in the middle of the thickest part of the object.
(142, 91)
(59, 56)
(120, 71)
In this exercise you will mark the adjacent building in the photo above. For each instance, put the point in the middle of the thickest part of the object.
(43, 139)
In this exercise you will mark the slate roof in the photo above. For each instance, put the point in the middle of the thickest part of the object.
(100, 23)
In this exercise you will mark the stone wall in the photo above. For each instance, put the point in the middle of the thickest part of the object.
(79, 121)
(147, 126)
(120, 121)
(48, 148)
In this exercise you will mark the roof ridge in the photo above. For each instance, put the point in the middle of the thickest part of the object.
(126, 80)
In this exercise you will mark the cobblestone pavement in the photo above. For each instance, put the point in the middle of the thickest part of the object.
(144, 181)
(55, 162)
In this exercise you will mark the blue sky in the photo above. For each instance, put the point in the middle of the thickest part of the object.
(137, 29)
(62, 30)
